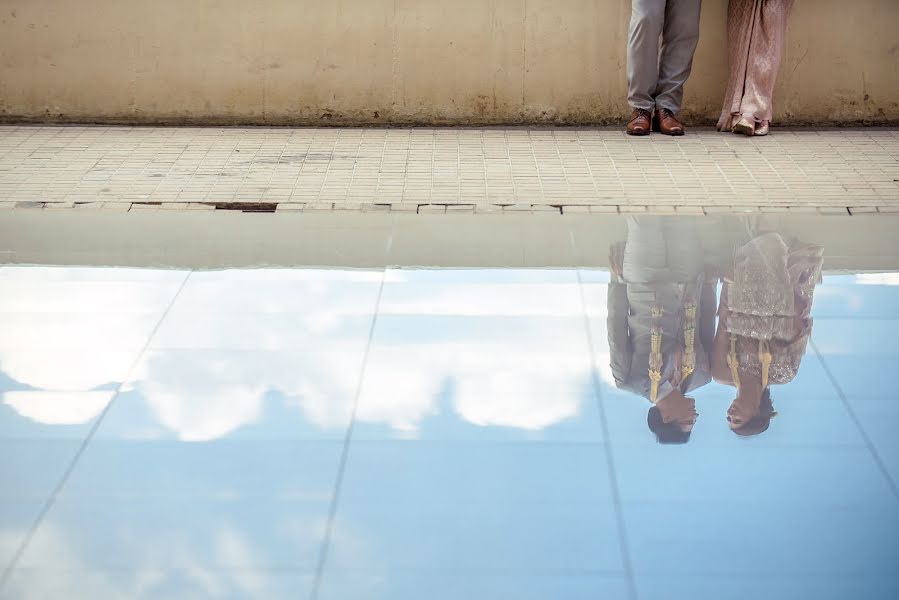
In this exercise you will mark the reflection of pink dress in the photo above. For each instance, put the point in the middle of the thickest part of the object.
(755, 37)
(769, 298)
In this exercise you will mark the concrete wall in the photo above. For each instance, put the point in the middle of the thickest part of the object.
(406, 61)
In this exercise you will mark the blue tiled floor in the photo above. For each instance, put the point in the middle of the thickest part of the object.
(399, 434)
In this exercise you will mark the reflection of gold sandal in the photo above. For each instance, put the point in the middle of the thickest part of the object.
(744, 126)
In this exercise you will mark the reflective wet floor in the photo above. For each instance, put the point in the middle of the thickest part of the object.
(645, 407)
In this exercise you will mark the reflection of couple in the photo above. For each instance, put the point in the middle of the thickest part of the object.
(661, 322)
(656, 72)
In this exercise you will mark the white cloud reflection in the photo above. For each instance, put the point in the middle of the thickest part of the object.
(57, 408)
(877, 278)
(518, 358)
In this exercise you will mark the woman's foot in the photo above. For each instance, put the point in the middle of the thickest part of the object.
(763, 128)
(744, 126)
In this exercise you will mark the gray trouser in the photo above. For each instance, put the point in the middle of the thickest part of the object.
(656, 77)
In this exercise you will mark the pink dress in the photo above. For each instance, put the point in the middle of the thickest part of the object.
(755, 37)
(769, 298)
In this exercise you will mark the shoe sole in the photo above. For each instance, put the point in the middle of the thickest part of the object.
(638, 132)
(744, 130)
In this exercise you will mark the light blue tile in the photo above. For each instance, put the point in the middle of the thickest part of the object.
(568, 417)
(84, 332)
(330, 276)
(178, 532)
(481, 276)
(879, 417)
(596, 305)
(442, 398)
(769, 586)
(744, 476)
(450, 506)
(87, 296)
(264, 331)
(439, 585)
(223, 469)
(856, 336)
(846, 300)
(475, 472)
(863, 375)
(515, 332)
(594, 275)
(742, 539)
(152, 583)
(445, 377)
(32, 468)
(882, 432)
(17, 517)
(528, 298)
(278, 294)
(213, 394)
(454, 536)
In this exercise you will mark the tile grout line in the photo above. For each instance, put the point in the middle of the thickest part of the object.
(858, 424)
(51, 500)
(624, 546)
(341, 467)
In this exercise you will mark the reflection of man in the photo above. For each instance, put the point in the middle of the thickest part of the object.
(661, 320)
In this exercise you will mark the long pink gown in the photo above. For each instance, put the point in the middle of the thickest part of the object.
(755, 37)
(769, 297)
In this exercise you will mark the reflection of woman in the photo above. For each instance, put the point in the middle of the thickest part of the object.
(763, 324)
(755, 37)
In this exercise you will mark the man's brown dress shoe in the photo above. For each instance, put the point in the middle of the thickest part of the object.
(639, 123)
(665, 122)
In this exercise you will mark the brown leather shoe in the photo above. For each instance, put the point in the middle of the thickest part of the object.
(639, 123)
(665, 122)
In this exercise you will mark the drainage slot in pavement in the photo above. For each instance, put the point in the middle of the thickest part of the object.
(244, 206)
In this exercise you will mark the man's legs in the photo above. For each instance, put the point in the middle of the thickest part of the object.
(647, 21)
(679, 38)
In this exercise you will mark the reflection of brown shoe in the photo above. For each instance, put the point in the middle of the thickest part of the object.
(638, 124)
(665, 122)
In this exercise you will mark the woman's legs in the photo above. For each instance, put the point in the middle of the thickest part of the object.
(765, 50)
(740, 18)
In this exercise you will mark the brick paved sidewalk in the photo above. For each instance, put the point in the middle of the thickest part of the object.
(837, 171)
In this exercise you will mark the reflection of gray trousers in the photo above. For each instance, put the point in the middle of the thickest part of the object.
(662, 249)
(655, 77)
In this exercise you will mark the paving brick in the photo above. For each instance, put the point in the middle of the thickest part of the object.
(491, 170)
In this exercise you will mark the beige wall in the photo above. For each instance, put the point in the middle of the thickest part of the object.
(421, 61)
